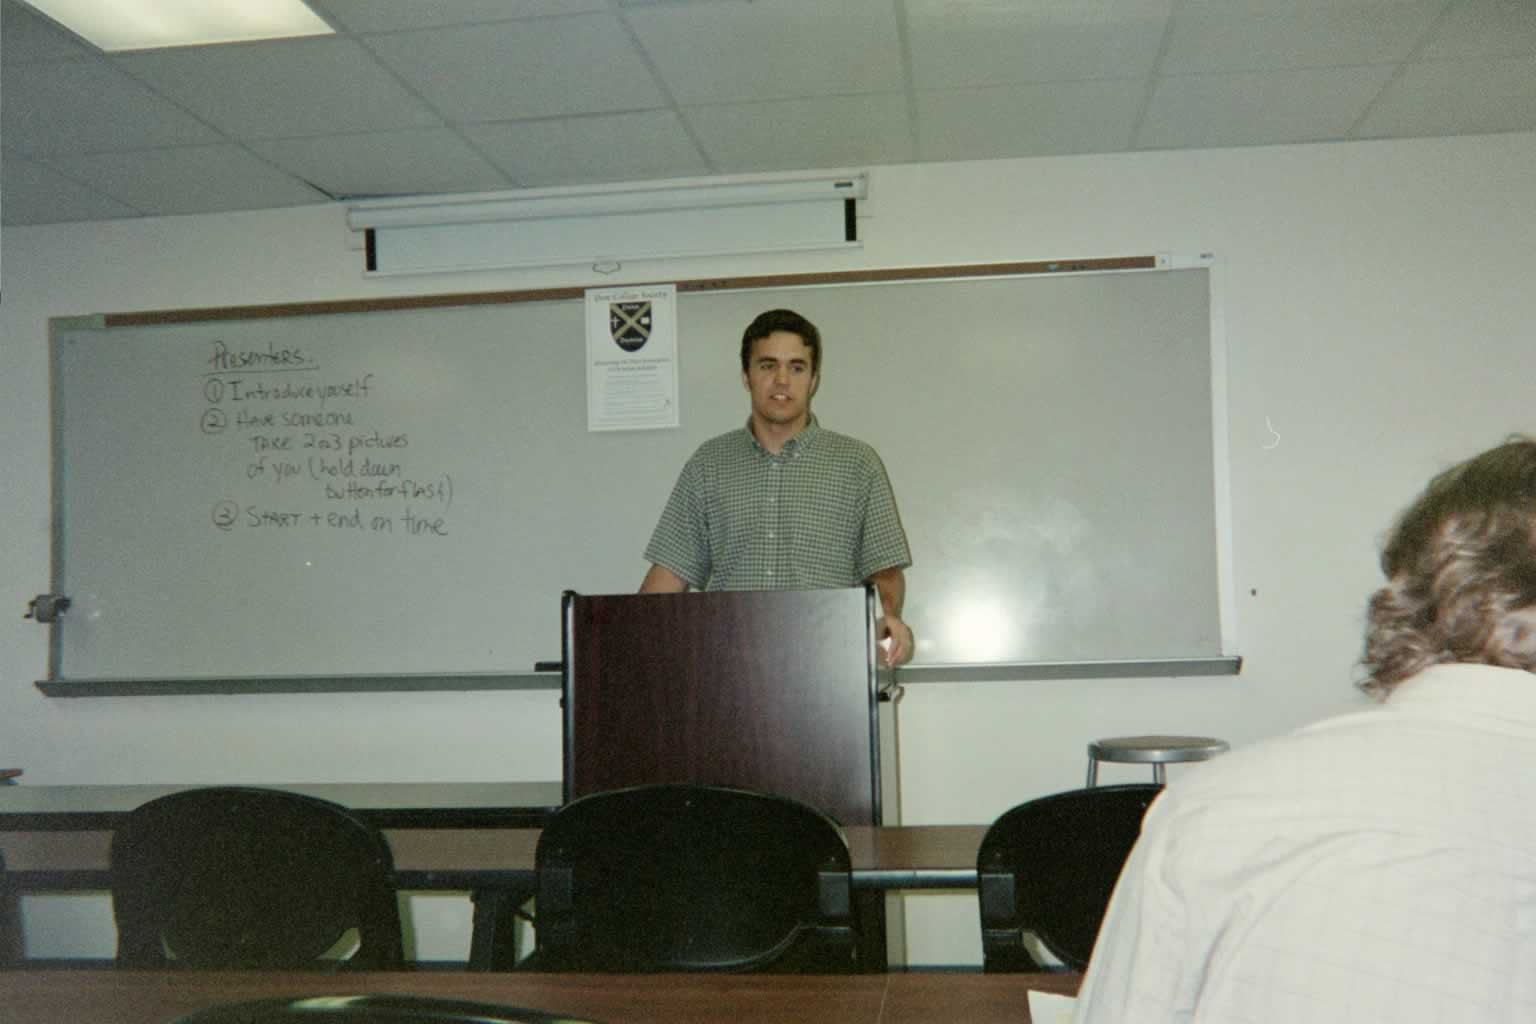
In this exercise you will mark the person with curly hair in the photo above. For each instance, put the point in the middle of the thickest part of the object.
(1379, 865)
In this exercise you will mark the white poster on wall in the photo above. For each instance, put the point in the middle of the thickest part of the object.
(632, 357)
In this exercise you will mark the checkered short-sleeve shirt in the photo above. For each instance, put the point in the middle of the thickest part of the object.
(819, 514)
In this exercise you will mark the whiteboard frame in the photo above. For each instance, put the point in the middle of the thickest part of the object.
(1228, 663)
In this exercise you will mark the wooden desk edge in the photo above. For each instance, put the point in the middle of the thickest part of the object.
(107, 996)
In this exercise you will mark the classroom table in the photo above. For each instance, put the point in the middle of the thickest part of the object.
(444, 837)
(57, 838)
(158, 997)
(382, 804)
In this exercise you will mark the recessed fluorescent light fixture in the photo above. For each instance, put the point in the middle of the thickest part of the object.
(117, 25)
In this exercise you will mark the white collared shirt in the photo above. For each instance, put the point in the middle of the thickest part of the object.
(1376, 866)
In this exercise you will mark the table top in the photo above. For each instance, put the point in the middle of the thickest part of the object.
(445, 835)
(159, 997)
(886, 857)
(383, 804)
(891, 857)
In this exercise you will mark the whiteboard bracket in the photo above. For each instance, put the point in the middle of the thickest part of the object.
(47, 608)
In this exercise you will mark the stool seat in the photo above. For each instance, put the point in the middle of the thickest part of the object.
(1154, 750)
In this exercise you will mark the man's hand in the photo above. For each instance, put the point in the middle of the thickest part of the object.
(899, 650)
(891, 585)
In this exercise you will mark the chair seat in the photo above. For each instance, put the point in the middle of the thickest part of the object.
(372, 1008)
(1154, 750)
(1149, 749)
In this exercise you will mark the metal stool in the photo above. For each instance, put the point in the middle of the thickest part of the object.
(1154, 750)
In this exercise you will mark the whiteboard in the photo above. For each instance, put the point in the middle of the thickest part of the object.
(409, 491)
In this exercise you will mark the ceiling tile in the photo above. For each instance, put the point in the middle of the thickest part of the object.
(1283, 36)
(415, 162)
(834, 131)
(1048, 119)
(1266, 107)
(285, 88)
(559, 92)
(87, 105)
(394, 15)
(602, 147)
(1455, 97)
(197, 179)
(33, 194)
(544, 67)
(1484, 28)
(26, 35)
(957, 45)
(771, 49)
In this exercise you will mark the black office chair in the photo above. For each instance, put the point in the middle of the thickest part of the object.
(10, 921)
(693, 878)
(372, 1009)
(1048, 868)
(252, 878)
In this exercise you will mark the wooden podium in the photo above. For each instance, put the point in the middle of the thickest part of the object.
(767, 690)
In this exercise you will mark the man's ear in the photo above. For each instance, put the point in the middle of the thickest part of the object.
(815, 383)
(746, 381)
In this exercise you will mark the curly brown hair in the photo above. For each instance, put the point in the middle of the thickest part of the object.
(1461, 573)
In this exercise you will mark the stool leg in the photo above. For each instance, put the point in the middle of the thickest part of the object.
(1093, 772)
(1157, 772)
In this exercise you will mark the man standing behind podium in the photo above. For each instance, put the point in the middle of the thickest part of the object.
(782, 504)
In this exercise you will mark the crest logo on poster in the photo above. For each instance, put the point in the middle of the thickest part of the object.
(630, 324)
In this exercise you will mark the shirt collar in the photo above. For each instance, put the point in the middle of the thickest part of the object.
(799, 442)
(1468, 691)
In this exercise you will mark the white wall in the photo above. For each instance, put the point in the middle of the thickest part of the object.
(1377, 303)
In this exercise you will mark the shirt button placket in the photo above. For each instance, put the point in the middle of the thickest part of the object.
(776, 487)
(770, 520)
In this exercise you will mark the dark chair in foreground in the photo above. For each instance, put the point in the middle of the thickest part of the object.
(693, 878)
(372, 1009)
(1048, 868)
(252, 878)
(10, 921)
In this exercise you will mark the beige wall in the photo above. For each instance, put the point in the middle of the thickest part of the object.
(1377, 317)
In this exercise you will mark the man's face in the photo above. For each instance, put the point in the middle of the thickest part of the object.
(779, 378)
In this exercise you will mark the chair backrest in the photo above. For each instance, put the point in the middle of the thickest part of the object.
(372, 1009)
(251, 878)
(1048, 868)
(10, 920)
(681, 877)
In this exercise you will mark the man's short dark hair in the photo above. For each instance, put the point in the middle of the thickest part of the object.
(1461, 572)
(782, 320)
